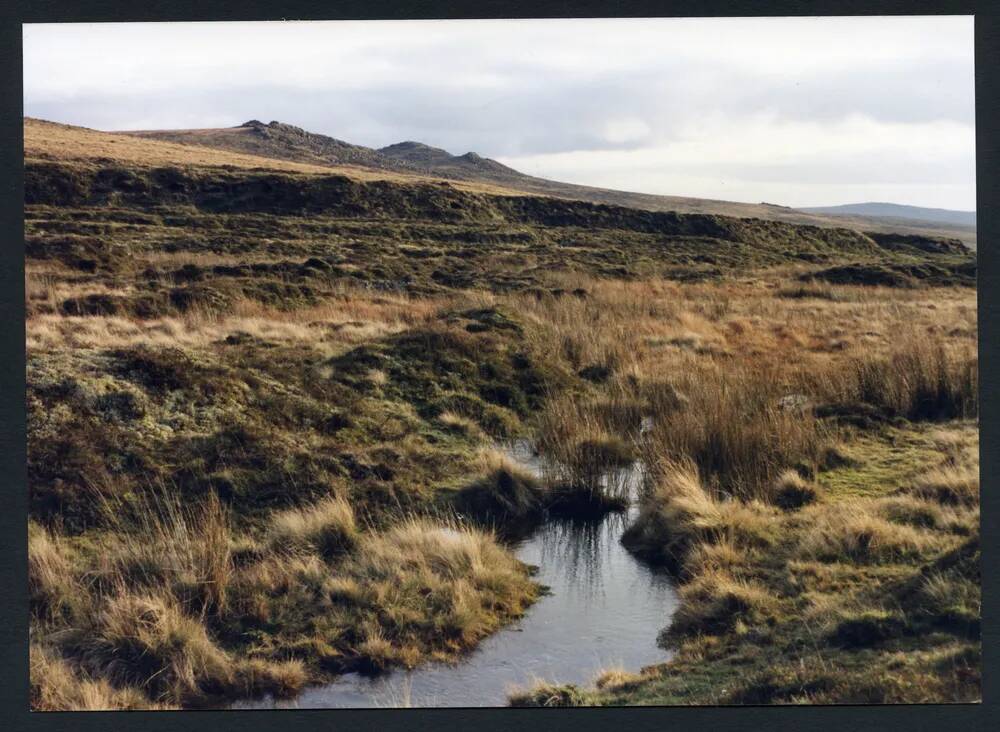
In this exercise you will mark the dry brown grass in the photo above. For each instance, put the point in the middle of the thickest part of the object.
(49, 140)
(326, 527)
(679, 513)
(350, 318)
(951, 484)
(53, 587)
(135, 625)
(919, 379)
(735, 429)
(57, 686)
(714, 601)
(847, 531)
(708, 362)
(161, 541)
(148, 641)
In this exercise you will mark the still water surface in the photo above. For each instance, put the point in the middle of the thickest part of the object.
(604, 610)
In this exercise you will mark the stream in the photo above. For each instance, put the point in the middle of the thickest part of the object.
(604, 610)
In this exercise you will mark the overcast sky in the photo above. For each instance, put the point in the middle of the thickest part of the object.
(797, 111)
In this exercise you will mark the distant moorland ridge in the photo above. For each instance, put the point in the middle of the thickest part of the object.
(287, 142)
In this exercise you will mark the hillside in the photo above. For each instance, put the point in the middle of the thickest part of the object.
(67, 166)
(287, 142)
(74, 146)
(943, 216)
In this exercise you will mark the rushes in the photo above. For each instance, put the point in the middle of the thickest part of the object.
(735, 431)
(171, 600)
(590, 450)
(919, 381)
(159, 541)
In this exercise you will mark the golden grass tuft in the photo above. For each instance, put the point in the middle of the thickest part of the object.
(159, 541)
(327, 527)
(679, 512)
(53, 587)
(791, 491)
(849, 532)
(546, 694)
(715, 601)
(949, 484)
(58, 686)
(149, 642)
(616, 679)
(505, 489)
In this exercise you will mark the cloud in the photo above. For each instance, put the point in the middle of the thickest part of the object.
(788, 107)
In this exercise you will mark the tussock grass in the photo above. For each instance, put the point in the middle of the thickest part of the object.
(148, 641)
(57, 686)
(546, 694)
(848, 532)
(613, 677)
(275, 359)
(950, 484)
(505, 490)
(791, 491)
(679, 513)
(327, 527)
(461, 571)
(150, 621)
(460, 423)
(53, 587)
(950, 597)
(714, 602)
(418, 589)
(158, 541)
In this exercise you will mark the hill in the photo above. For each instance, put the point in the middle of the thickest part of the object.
(897, 211)
(287, 142)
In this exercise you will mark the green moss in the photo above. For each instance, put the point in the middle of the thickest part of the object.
(881, 462)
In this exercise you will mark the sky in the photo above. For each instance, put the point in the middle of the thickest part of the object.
(794, 111)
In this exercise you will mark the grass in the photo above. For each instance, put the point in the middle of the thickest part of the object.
(505, 492)
(919, 381)
(680, 513)
(847, 531)
(161, 611)
(327, 528)
(736, 431)
(57, 686)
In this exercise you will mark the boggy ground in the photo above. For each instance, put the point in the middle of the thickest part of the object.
(260, 411)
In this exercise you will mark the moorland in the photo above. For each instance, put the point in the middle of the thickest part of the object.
(265, 399)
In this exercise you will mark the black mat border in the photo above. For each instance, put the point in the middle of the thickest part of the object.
(13, 538)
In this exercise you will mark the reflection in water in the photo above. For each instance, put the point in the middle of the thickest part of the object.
(579, 550)
(605, 609)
